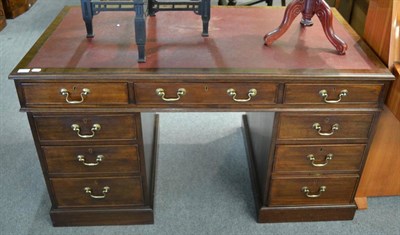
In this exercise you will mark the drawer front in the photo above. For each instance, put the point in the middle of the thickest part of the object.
(206, 93)
(92, 192)
(312, 191)
(75, 94)
(324, 126)
(92, 159)
(90, 127)
(332, 93)
(318, 158)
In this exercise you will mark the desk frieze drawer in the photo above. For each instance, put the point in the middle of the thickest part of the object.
(318, 158)
(85, 128)
(332, 93)
(206, 93)
(97, 192)
(325, 126)
(286, 191)
(74, 94)
(92, 159)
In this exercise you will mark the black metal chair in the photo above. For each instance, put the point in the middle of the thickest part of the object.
(268, 2)
(250, 3)
(91, 8)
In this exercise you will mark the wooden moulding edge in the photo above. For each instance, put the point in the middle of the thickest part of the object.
(97, 217)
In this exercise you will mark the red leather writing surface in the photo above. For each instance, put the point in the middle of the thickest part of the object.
(174, 41)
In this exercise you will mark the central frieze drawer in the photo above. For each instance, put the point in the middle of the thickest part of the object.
(205, 93)
(312, 190)
(74, 94)
(324, 126)
(92, 159)
(90, 192)
(318, 158)
(332, 93)
(85, 127)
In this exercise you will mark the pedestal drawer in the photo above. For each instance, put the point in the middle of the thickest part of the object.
(85, 127)
(92, 192)
(205, 93)
(74, 94)
(332, 93)
(318, 158)
(312, 190)
(92, 159)
(324, 126)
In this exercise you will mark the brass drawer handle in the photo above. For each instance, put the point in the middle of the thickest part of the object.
(232, 92)
(324, 94)
(181, 92)
(306, 192)
(77, 129)
(99, 158)
(328, 157)
(65, 92)
(318, 127)
(88, 190)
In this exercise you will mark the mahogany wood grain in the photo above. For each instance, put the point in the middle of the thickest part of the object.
(63, 160)
(3, 21)
(290, 213)
(148, 139)
(57, 128)
(294, 158)
(300, 127)
(287, 191)
(306, 213)
(119, 215)
(14, 8)
(124, 191)
(108, 216)
(309, 94)
(206, 93)
(259, 133)
(49, 93)
(209, 67)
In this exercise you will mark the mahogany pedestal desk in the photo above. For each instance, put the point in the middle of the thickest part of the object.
(310, 113)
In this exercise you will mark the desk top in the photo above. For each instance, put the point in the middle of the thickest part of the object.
(174, 42)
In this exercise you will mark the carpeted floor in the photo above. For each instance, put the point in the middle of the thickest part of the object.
(210, 194)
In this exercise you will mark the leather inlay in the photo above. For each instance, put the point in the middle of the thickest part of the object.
(235, 41)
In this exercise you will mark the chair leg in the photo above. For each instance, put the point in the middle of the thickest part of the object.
(232, 3)
(150, 8)
(205, 16)
(87, 14)
(283, 2)
(140, 30)
(269, 2)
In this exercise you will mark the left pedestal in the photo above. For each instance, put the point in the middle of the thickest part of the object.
(99, 168)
